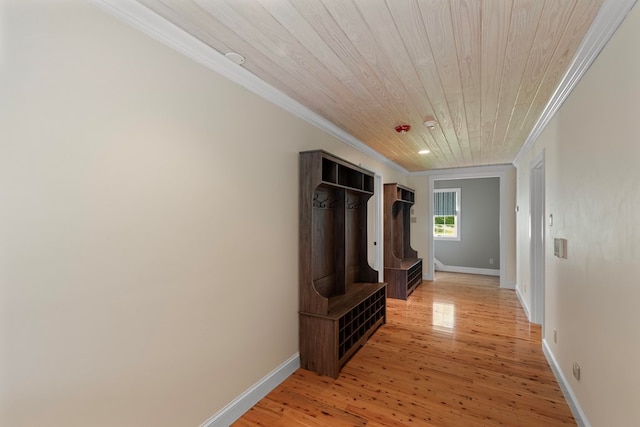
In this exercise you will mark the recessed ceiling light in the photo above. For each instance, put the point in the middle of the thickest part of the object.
(424, 152)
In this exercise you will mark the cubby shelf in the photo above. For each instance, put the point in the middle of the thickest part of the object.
(402, 267)
(336, 172)
(341, 301)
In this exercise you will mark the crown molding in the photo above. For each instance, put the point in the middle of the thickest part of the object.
(143, 19)
(605, 24)
(466, 172)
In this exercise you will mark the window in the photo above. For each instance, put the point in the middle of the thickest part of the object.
(446, 214)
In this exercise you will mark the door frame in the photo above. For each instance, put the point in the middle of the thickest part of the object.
(470, 173)
(378, 232)
(537, 241)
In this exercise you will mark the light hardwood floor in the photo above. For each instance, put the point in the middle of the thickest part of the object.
(458, 352)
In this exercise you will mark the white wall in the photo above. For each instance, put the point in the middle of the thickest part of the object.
(149, 223)
(592, 154)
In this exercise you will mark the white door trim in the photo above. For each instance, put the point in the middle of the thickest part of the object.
(470, 173)
(378, 234)
(537, 243)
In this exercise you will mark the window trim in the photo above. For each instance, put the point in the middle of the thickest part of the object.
(457, 237)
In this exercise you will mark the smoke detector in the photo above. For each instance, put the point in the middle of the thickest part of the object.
(430, 123)
(235, 57)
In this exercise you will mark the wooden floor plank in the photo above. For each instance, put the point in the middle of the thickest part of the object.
(458, 352)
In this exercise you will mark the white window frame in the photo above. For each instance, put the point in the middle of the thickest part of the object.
(455, 238)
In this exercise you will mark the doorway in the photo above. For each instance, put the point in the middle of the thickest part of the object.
(470, 173)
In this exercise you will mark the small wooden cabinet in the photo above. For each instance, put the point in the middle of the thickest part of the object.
(341, 301)
(402, 267)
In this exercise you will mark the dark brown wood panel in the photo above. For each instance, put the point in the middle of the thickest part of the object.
(318, 346)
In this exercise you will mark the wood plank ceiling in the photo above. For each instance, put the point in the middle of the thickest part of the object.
(483, 69)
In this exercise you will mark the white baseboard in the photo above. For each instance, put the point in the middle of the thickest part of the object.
(523, 303)
(574, 405)
(241, 404)
(508, 285)
(467, 270)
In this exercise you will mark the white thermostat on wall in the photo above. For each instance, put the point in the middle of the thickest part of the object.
(560, 248)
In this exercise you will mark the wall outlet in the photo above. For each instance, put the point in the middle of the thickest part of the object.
(555, 336)
(491, 261)
(576, 370)
(560, 247)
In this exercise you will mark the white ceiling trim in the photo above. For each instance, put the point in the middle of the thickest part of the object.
(465, 173)
(138, 16)
(605, 24)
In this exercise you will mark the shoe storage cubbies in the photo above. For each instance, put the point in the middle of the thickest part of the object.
(341, 301)
(402, 267)
(414, 275)
(357, 322)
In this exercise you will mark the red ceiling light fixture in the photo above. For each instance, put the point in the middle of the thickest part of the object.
(403, 128)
